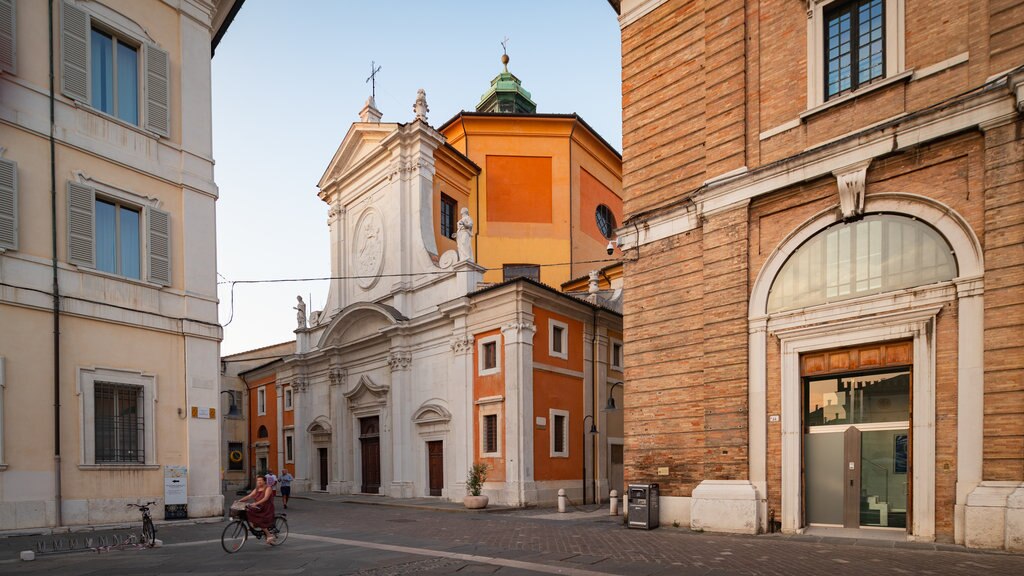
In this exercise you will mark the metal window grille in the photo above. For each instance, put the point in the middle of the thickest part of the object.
(531, 271)
(558, 429)
(448, 209)
(491, 433)
(120, 423)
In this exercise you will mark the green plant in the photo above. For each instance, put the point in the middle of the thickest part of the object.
(476, 477)
(675, 523)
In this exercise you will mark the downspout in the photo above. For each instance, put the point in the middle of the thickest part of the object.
(572, 251)
(593, 407)
(56, 285)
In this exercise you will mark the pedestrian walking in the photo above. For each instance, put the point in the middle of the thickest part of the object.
(285, 480)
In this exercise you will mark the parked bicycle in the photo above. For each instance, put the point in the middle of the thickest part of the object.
(148, 529)
(237, 532)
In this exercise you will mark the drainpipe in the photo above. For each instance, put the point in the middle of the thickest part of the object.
(56, 285)
(572, 249)
(593, 408)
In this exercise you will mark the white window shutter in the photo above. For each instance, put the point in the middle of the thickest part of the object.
(158, 91)
(159, 242)
(74, 53)
(8, 37)
(81, 225)
(8, 204)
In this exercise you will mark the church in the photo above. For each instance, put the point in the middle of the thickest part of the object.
(443, 342)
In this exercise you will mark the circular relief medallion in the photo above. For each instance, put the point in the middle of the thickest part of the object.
(368, 249)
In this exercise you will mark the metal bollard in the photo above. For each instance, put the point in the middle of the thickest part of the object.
(561, 499)
(613, 503)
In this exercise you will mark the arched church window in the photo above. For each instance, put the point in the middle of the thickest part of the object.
(262, 432)
(878, 253)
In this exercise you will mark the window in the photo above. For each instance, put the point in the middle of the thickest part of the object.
(262, 432)
(8, 40)
(558, 339)
(852, 44)
(117, 415)
(490, 434)
(531, 271)
(289, 447)
(115, 76)
(234, 404)
(488, 356)
(261, 401)
(107, 233)
(605, 221)
(879, 253)
(111, 68)
(855, 46)
(857, 399)
(449, 208)
(616, 354)
(117, 239)
(236, 457)
(8, 205)
(288, 398)
(559, 433)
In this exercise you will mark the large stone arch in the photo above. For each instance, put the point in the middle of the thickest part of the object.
(359, 321)
(907, 314)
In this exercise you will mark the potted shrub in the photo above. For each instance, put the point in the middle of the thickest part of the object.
(475, 479)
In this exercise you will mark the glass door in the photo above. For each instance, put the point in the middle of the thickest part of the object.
(856, 449)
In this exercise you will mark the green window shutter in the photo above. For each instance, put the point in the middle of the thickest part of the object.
(81, 225)
(8, 37)
(159, 241)
(8, 204)
(158, 91)
(74, 53)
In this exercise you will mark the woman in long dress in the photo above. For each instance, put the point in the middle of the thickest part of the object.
(261, 512)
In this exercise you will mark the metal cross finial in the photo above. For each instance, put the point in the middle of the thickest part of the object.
(373, 79)
(504, 46)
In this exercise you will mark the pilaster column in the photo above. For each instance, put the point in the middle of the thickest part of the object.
(518, 339)
(400, 361)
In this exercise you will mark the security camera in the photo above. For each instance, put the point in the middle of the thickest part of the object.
(611, 247)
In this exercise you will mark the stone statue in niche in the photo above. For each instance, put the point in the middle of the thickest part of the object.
(464, 236)
(300, 312)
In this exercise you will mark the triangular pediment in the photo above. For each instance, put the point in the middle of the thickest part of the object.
(362, 141)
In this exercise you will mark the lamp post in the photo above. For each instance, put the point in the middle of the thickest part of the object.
(593, 430)
(611, 398)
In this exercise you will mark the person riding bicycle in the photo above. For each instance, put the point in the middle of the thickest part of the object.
(261, 512)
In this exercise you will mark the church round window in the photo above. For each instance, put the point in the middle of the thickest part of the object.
(878, 253)
(605, 221)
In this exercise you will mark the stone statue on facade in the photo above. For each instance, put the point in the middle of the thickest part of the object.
(464, 236)
(420, 106)
(300, 312)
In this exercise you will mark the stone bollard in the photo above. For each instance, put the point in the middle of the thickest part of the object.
(613, 503)
(561, 499)
(28, 555)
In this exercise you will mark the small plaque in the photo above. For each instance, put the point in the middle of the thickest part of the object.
(203, 413)
(663, 471)
(542, 422)
(773, 417)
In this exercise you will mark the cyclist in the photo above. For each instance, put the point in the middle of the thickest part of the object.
(261, 511)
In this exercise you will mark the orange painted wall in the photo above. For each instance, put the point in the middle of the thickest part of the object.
(484, 386)
(519, 189)
(557, 391)
(453, 182)
(592, 194)
(269, 420)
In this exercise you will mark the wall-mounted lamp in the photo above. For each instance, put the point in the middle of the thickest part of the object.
(611, 398)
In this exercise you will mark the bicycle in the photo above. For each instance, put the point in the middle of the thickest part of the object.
(148, 529)
(236, 533)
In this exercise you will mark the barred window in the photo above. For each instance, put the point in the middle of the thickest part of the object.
(120, 425)
(449, 207)
(490, 433)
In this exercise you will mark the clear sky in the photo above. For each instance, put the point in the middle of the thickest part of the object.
(289, 78)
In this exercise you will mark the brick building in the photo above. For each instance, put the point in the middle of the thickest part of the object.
(825, 236)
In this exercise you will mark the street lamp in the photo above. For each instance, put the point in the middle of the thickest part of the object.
(593, 430)
(611, 398)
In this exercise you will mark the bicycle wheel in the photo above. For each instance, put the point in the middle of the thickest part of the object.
(280, 530)
(148, 532)
(234, 536)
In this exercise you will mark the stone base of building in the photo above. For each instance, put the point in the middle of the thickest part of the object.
(674, 510)
(28, 514)
(724, 506)
(994, 516)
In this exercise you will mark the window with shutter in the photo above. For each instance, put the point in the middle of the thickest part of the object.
(81, 225)
(8, 204)
(159, 246)
(158, 91)
(8, 37)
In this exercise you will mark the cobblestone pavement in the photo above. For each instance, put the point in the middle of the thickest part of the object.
(332, 537)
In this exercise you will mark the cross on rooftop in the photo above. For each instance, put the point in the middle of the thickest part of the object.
(373, 79)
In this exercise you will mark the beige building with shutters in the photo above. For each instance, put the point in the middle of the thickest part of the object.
(109, 340)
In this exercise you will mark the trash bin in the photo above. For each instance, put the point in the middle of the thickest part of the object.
(643, 506)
